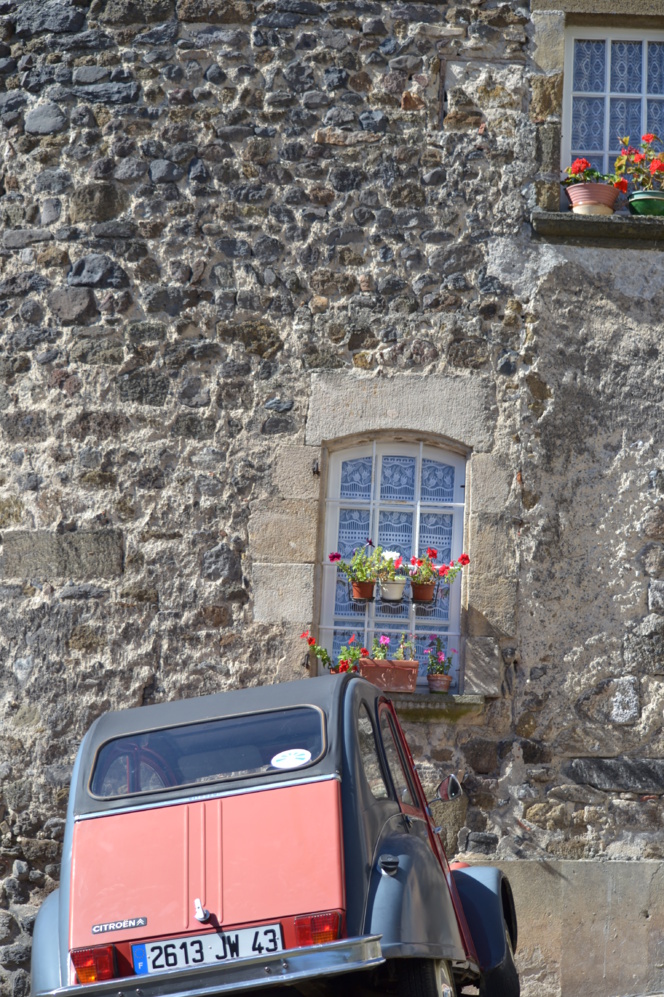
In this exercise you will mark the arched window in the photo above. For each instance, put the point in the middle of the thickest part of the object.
(405, 497)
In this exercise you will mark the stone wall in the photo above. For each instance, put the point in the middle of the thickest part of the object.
(227, 229)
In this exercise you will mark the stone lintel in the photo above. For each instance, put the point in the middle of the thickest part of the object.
(483, 669)
(602, 230)
(459, 409)
(41, 554)
(621, 8)
(621, 775)
(283, 593)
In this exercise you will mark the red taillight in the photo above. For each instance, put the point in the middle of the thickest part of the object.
(314, 929)
(95, 964)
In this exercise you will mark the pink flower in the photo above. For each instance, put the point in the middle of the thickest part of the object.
(335, 556)
(441, 655)
(383, 640)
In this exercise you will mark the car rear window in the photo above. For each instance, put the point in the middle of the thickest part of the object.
(207, 752)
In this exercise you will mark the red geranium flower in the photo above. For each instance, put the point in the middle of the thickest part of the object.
(639, 157)
(343, 666)
(464, 559)
(622, 185)
(656, 166)
(364, 651)
(335, 556)
(432, 553)
(311, 641)
(398, 562)
(305, 634)
(579, 166)
(443, 569)
(648, 137)
(351, 639)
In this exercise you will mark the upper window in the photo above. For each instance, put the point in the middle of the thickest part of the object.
(614, 87)
(404, 497)
(210, 751)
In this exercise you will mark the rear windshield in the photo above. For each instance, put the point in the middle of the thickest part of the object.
(212, 751)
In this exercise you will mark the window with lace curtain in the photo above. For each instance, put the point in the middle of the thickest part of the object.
(404, 497)
(613, 87)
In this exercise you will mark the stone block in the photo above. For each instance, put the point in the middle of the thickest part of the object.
(294, 472)
(622, 775)
(546, 96)
(283, 593)
(549, 38)
(491, 606)
(286, 532)
(620, 8)
(39, 554)
(483, 668)
(490, 482)
(492, 549)
(656, 596)
(456, 408)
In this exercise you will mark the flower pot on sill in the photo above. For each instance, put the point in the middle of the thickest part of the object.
(592, 198)
(646, 202)
(439, 683)
(390, 675)
(424, 592)
(392, 591)
(363, 590)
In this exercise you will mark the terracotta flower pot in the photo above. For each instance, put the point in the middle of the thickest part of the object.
(439, 683)
(363, 590)
(592, 198)
(390, 675)
(424, 592)
(392, 591)
(647, 202)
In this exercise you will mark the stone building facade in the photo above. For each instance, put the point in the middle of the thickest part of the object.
(239, 238)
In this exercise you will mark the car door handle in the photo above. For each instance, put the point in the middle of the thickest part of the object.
(389, 864)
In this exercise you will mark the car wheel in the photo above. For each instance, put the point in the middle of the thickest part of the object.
(503, 981)
(425, 978)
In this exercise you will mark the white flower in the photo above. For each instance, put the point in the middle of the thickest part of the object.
(391, 555)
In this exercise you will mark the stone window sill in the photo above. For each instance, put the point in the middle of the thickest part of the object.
(628, 231)
(425, 707)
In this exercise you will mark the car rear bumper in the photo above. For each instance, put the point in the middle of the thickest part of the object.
(313, 962)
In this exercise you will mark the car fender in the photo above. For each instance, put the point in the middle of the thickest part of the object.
(45, 967)
(486, 898)
(409, 903)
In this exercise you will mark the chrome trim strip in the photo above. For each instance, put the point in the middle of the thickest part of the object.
(219, 794)
(312, 962)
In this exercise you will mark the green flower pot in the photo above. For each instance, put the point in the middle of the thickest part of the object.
(647, 202)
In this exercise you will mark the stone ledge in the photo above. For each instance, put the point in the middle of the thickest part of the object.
(425, 707)
(609, 230)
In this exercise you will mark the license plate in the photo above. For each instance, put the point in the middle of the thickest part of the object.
(209, 949)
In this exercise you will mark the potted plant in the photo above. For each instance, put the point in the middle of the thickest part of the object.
(645, 169)
(395, 674)
(439, 664)
(362, 570)
(347, 660)
(392, 581)
(589, 191)
(424, 574)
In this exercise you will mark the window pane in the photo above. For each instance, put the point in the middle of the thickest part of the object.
(353, 530)
(394, 762)
(589, 66)
(394, 612)
(436, 531)
(369, 755)
(341, 638)
(656, 117)
(395, 532)
(397, 480)
(437, 482)
(624, 119)
(588, 123)
(626, 61)
(343, 600)
(356, 479)
(438, 610)
(656, 68)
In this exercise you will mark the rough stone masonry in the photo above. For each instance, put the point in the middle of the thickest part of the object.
(207, 204)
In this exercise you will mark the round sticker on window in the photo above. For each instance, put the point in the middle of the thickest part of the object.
(291, 759)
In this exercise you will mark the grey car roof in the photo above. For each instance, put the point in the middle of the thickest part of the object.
(326, 693)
